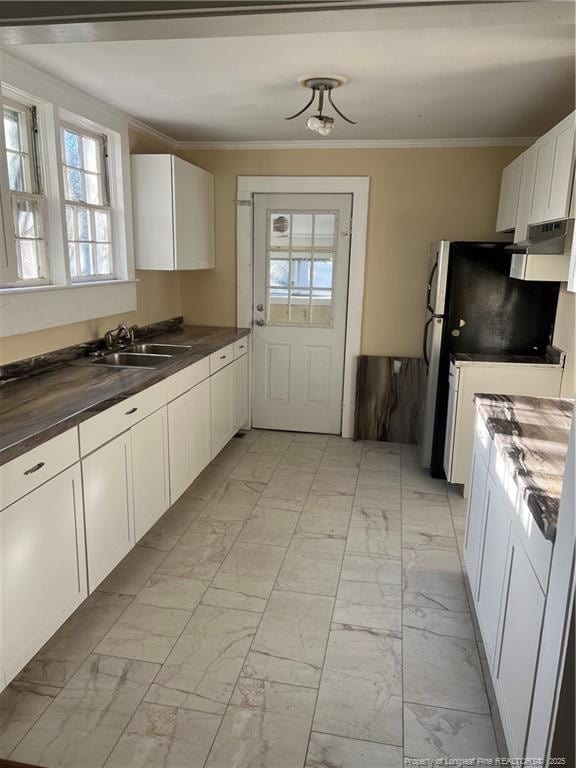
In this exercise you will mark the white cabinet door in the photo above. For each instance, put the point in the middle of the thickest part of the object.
(509, 193)
(521, 624)
(42, 567)
(108, 507)
(543, 178)
(475, 518)
(493, 567)
(558, 204)
(222, 407)
(240, 391)
(453, 377)
(150, 474)
(525, 196)
(193, 200)
(200, 428)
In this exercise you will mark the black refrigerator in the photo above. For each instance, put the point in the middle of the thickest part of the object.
(473, 306)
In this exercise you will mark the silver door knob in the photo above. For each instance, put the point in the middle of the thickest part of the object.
(260, 321)
(260, 307)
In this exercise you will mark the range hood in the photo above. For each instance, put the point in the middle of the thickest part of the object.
(547, 254)
(554, 237)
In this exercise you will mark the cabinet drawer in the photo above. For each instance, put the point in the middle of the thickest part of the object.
(221, 358)
(240, 347)
(184, 380)
(117, 419)
(23, 474)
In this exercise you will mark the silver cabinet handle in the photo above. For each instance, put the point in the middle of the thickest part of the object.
(35, 468)
(260, 321)
(132, 410)
(222, 357)
(260, 307)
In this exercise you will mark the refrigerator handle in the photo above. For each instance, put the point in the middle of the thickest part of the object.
(429, 296)
(425, 342)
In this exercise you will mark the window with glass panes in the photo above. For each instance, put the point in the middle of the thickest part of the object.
(300, 277)
(26, 194)
(87, 204)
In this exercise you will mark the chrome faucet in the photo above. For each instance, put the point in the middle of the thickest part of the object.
(117, 335)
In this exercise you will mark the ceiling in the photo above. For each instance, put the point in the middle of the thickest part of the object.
(412, 75)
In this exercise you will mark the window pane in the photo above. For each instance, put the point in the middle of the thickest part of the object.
(322, 308)
(29, 266)
(300, 307)
(72, 149)
(15, 172)
(84, 228)
(73, 184)
(103, 259)
(280, 230)
(279, 272)
(300, 276)
(90, 147)
(322, 273)
(324, 230)
(278, 310)
(72, 253)
(302, 230)
(102, 226)
(92, 189)
(26, 219)
(12, 129)
(85, 252)
(70, 222)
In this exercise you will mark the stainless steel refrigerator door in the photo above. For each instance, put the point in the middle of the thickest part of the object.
(430, 363)
(437, 276)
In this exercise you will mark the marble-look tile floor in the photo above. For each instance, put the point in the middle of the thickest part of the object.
(302, 605)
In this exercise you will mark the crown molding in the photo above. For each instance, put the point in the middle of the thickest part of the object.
(515, 141)
(146, 130)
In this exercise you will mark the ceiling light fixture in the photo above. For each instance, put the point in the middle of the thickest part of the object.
(321, 86)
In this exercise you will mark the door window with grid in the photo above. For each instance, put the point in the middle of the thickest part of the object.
(26, 194)
(87, 204)
(301, 249)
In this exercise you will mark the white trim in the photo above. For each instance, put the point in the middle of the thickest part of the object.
(358, 187)
(24, 310)
(146, 130)
(517, 141)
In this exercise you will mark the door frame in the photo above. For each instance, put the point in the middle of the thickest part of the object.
(359, 188)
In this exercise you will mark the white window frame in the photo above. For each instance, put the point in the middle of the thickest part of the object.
(25, 308)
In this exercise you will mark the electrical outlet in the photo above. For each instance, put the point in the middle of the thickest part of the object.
(396, 367)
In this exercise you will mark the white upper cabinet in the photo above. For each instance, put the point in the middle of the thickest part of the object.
(173, 205)
(509, 193)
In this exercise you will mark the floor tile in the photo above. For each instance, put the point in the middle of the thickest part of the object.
(443, 671)
(202, 669)
(288, 489)
(379, 496)
(266, 725)
(255, 467)
(361, 689)
(166, 737)
(271, 442)
(88, 716)
(133, 572)
(201, 550)
(207, 482)
(291, 640)
(21, 704)
(144, 632)
(433, 733)
(432, 578)
(179, 517)
(326, 751)
(342, 480)
(449, 623)
(369, 594)
(63, 654)
(231, 454)
(312, 565)
(159, 540)
(171, 592)
(269, 526)
(246, 577)
(302, 456)
(373, 535)
(233, 502)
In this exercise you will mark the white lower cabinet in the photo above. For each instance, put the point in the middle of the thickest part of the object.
(521, 625)
(223, 406)
(475, 519)
(189, 432)
(150, 472)
(42, 567)
(108, 507)
(241, 392)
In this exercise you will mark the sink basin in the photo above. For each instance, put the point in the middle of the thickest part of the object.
(132, 360)
(159, 349)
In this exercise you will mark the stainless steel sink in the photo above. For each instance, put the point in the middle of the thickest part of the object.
(132, 360)
(159, 349)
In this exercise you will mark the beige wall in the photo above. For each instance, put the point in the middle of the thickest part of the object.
(565, 338)
(416, 196)
(158, 297)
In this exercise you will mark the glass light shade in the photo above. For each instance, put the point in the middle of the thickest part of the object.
(313, 123)
(325, 128)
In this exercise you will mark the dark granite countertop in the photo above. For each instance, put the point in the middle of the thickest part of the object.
(553, 356)
(37, 407)
(531, 434)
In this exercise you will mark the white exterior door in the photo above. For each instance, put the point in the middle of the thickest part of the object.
(301, 260)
